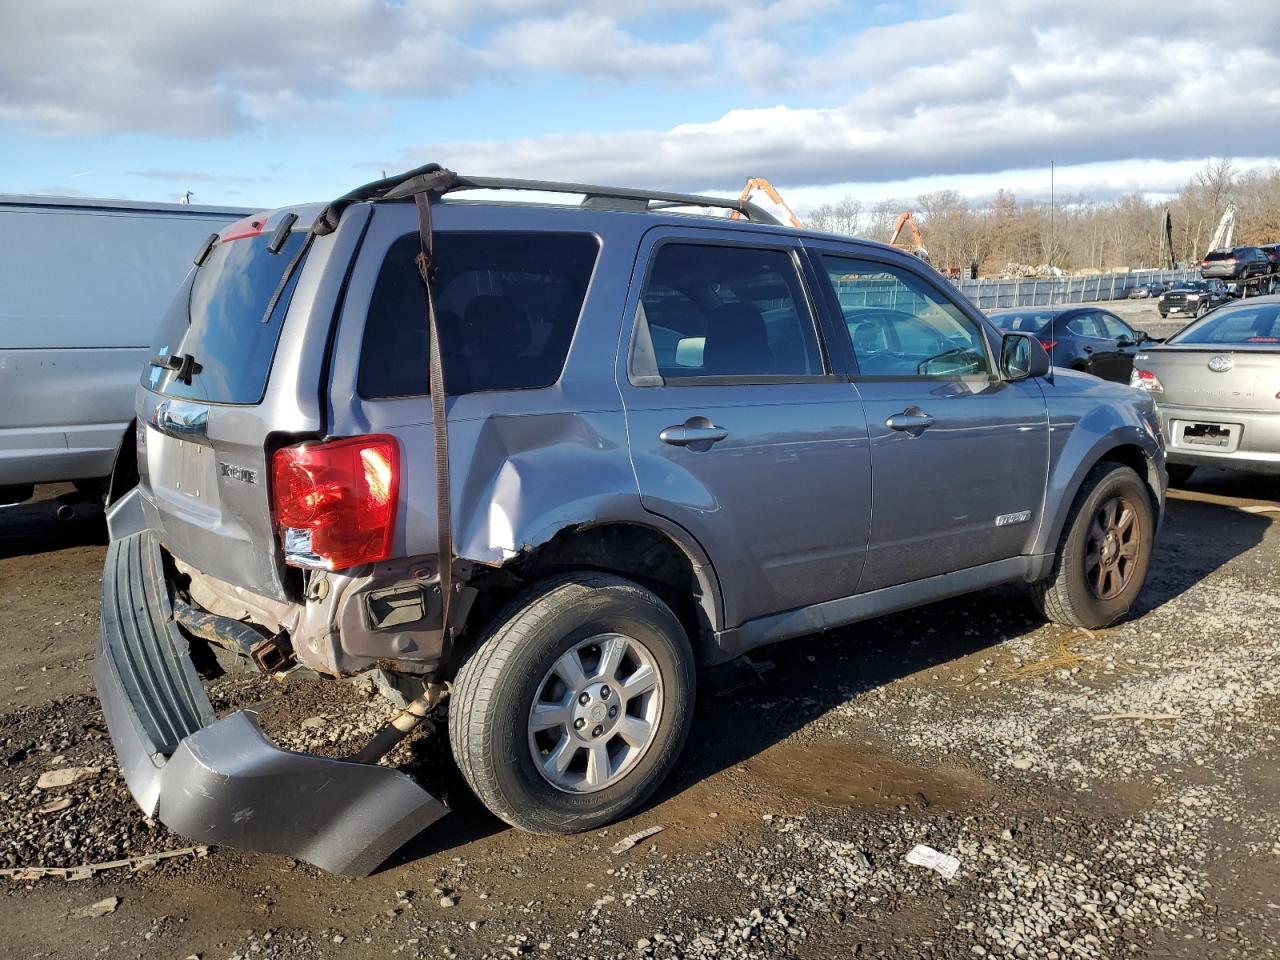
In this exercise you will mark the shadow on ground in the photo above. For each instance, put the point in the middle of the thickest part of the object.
(813, 675)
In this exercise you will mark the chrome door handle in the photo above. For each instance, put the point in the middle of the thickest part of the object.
(913, 420)
(698, 433)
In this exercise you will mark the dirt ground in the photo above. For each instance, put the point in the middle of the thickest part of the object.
(1107, 795)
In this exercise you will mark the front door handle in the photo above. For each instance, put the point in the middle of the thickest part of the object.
(913, 421)
(696, 433)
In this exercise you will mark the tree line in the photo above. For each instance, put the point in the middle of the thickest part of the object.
(1076, 234)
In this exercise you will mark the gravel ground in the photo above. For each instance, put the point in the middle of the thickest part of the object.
(1106, 794)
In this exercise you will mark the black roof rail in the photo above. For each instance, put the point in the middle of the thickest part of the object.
(432, 177)
(640, 199)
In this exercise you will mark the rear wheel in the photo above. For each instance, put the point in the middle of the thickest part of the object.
(1104, 552)
(1179, 474)
(575, 707)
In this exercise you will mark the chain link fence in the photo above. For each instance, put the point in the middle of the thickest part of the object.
(1031, 292)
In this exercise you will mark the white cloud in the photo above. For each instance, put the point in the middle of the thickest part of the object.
(966, 92)
(995, 86)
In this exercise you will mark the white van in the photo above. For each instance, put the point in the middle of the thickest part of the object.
(83, 287)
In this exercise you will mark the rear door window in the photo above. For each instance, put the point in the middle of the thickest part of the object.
(218, 320)
(1087, 325)
(713, 311)
(507, 305)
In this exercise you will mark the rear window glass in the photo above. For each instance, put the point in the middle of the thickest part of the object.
(507, 305)
(1219, 255)
(217, 320)
(1023, 322)
(1243, 324)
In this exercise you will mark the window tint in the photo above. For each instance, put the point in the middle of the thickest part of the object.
(1243, 324)
(720, 311)
(217, 320)
(1022, 322)
(1087, 325)
(1115, 327)
(507, 305)
(900, 326)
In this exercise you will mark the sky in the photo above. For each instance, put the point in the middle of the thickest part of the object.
(262, 103)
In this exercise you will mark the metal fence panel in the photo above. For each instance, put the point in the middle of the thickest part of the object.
(1044, 292)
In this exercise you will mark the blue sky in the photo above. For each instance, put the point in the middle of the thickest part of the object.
(265, 102)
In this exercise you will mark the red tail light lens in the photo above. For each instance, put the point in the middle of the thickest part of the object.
(251, 226)
(1048, 344)
(1145, 380)
(335, 502)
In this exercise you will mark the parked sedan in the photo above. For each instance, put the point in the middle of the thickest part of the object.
(1145, 291)
(1082, 338)
(1216, 384)
(1193, 298)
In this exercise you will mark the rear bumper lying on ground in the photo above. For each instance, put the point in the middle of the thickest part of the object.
(222, 781)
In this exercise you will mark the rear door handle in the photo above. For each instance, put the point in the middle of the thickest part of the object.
(697, 433)
(913, 420)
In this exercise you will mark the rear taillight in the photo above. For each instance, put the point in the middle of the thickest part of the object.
(335, 502)
(1048, 344)
(1145, 380)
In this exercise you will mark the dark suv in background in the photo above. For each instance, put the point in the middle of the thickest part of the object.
(650, 441)
(1238, 265)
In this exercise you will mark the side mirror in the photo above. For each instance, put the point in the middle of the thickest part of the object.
(1022, 356)
(1141, 336)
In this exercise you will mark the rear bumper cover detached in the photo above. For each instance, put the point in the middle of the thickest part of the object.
(222, 781)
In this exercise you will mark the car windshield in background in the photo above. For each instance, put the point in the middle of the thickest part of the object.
(1257, 324)
(1022, 322)
(217, 320)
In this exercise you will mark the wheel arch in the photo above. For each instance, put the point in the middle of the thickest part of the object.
(1121, 447)
(650, 552)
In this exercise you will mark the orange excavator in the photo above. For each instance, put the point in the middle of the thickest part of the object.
(767, 188)
(905, 219)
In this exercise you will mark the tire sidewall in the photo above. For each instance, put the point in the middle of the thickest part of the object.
(1123, 481)
(618, 608)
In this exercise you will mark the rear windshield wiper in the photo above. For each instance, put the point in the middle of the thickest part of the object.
(182, 365)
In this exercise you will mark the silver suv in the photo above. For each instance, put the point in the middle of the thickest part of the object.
(666, 437)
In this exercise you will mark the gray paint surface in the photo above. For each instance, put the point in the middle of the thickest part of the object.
(83, 285)
(811, 513)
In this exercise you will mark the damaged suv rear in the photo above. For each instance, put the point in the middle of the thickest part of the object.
(643, 446)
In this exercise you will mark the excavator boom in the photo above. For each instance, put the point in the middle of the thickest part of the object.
(767, 188)
(905, 219)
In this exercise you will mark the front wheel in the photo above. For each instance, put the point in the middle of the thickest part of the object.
(576, 706)
(1104, 553)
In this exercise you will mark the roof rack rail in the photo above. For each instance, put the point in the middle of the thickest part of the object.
(646, 199)
(433, 177)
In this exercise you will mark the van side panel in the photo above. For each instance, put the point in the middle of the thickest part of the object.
(82, 288)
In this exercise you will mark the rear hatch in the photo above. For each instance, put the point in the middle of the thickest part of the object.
(207, 424)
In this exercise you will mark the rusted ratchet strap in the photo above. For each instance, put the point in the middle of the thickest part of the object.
(439, 412)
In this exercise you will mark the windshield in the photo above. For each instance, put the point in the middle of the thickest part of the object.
(1029, 322)
(1243, 324)
(217, 321)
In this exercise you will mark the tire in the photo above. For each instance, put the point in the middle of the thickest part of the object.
(491, 720)
(1070, 595)
(1179, 474)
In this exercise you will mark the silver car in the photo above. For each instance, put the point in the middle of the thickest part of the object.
(647, 441)
(1216, 384)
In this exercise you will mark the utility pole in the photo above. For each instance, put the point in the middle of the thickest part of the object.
(1052, 210)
